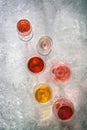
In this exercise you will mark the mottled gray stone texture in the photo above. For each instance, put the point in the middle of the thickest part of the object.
(65, 21)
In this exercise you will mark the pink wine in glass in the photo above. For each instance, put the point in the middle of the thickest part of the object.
(44, 45)
(60, 72)
(24, 29)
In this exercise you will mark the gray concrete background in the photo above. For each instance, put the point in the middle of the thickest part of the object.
(65, 21)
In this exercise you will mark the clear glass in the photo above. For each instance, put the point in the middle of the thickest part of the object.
(44, 45)
(24, 30)
(63, 109)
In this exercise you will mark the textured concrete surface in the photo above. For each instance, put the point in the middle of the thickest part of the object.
(65, 21)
